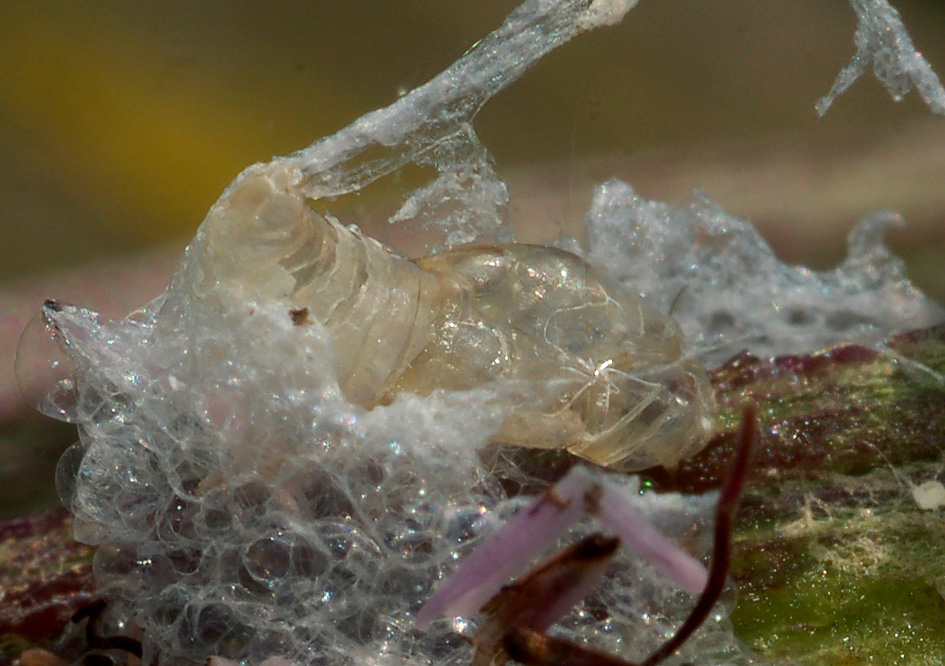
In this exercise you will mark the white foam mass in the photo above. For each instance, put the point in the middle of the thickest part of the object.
(729, 291)
(245, 508)
(883, 41)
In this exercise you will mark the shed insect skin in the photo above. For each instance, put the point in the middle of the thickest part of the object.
(612, 382)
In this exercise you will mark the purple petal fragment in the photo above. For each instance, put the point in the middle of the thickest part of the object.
(483, 573)
(616, 513)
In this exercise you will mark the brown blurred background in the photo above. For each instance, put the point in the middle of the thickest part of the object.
(121, 123)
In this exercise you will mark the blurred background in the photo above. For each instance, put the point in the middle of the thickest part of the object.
(121, 123)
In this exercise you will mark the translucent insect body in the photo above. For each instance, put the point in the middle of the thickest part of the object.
(611, 380)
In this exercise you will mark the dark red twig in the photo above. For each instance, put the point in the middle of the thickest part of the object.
(722, 546)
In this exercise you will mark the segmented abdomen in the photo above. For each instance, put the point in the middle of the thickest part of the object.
(612, 383)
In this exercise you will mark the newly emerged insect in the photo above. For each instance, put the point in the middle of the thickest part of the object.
(613, 383)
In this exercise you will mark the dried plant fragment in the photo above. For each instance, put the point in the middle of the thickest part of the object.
(520, 612)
